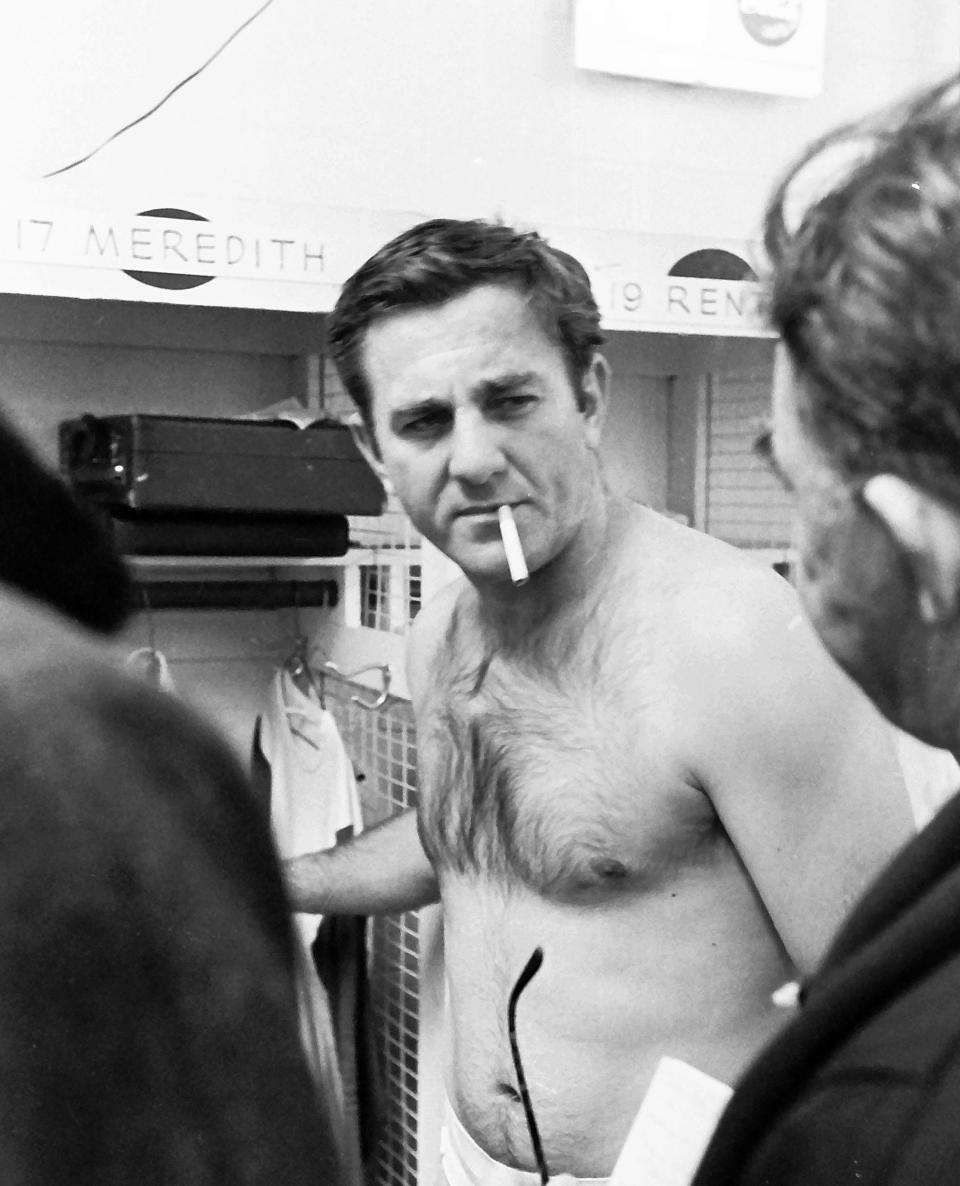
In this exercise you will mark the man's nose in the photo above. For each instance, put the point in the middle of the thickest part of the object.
(475, 453)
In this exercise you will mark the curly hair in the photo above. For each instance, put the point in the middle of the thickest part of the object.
(443, 258)
(864, 288)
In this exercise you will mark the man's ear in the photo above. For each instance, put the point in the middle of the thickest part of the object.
(928, 533)
(366, 442)
(595, 387)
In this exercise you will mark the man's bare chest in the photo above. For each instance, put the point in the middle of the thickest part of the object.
(568, 782)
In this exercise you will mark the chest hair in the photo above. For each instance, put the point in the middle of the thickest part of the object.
(528, 753)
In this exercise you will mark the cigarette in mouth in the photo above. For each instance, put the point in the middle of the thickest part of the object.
(516, 561)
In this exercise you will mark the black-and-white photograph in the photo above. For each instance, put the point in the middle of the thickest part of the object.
(480, 593)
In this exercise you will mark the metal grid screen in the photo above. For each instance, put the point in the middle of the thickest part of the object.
(389, 596)
(390, 591)
(383, 747)
(745, 504)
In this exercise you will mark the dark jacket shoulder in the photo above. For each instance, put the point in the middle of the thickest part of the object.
(861, 1085)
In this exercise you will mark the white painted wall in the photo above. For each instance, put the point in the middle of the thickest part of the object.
(459, 107)
(634, 446)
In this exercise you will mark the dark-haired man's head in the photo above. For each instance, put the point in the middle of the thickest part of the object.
(52, 548)
(470, 350)
(443, 258)
(148, 1023)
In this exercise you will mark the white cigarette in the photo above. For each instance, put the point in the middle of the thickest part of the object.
(516, 561)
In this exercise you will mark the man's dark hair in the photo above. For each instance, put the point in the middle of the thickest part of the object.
(148, 1023)
(435, 261)
(865, 289)
(52, 548)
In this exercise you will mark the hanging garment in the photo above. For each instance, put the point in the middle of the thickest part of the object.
(306, 779)
(313, 792)
(340, 958)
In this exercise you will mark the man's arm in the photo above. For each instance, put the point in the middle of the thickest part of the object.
(800, 767)
(384, 870)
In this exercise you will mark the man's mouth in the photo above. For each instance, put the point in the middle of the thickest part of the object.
(477, 512)
(482, 509)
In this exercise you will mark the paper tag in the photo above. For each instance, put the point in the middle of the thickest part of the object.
(672, 1129)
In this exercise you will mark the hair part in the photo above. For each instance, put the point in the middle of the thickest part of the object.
(443, 258)
(864, 290)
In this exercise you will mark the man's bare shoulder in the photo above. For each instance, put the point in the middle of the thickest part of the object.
(710, 585)
(740, 642)
(728, 622)
(733, 598)
(428, 634)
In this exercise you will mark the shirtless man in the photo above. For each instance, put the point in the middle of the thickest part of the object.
(639, 761)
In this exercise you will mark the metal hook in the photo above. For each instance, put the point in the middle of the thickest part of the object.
(299, 666)
(148, 610)
(295, 605)
(386, 675)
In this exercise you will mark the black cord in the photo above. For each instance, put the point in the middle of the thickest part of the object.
(169, 95)
(530, 970)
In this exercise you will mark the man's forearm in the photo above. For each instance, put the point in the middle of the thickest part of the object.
(384, 870)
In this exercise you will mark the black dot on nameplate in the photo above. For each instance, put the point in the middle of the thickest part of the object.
(712, 263)
(169, 280)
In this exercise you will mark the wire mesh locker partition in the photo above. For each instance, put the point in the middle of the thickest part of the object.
(745, 505)
(382, 745)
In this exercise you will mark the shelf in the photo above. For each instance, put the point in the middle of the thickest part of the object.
(231, 594)
(178, 563)
(235, 582)
(244, 582)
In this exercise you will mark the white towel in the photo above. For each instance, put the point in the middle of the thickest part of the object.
(313, 792)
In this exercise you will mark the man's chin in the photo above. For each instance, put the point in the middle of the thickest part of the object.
(486, 576)
(481, 566)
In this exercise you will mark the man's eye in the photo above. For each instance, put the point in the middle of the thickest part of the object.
(429, 424)
(512, 405)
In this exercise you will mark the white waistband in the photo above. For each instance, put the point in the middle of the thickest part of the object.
(466, 1164)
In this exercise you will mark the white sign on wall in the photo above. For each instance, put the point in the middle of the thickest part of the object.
(207, 252)
(772, 46)
(669, 283)
(211, 252)
(161, 241)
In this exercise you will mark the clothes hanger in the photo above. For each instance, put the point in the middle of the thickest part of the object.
(156, 668)
(298, 664)
(386, 676)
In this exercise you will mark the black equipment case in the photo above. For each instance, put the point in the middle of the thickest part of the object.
(184, 485)
(186, 463)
